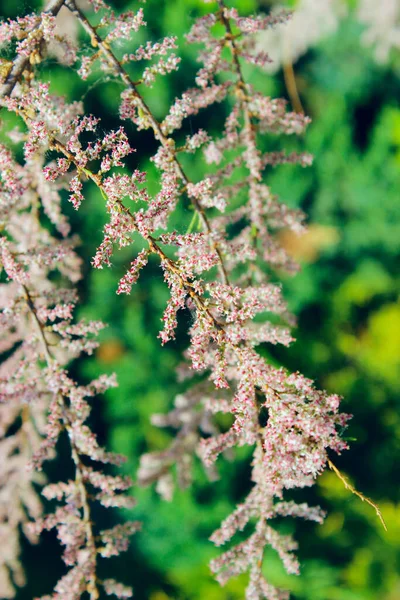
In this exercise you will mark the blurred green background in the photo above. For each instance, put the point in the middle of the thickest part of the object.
(348, 337)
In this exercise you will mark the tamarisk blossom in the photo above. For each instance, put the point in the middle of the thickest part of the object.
(291, 446)
(40, 402)
(223, 269)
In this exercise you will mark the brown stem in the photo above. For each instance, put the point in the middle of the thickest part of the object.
(353, 490)
(243, 95)
(230, 38)
(290, 82)
(79, 477)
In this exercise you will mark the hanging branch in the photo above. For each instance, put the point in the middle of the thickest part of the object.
(222, 274)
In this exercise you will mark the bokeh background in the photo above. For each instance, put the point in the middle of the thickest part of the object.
(346, 298)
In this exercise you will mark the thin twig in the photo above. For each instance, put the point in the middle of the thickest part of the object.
(79, 477)
(291, 86)
(353, 490)
(290, 78)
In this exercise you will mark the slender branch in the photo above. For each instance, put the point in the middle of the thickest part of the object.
(290, 78)
(154, 247)
(21, 61)
(39, 327)
(242, 83)
(158, 133)
(298, 107)
(291, 86)
(79, 477)
(353, 490)
(242, 90)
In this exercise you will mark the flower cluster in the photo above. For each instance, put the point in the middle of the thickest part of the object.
(40, 402)
(220, 269)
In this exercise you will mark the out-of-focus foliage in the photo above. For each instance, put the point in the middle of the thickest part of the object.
(347, 301)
